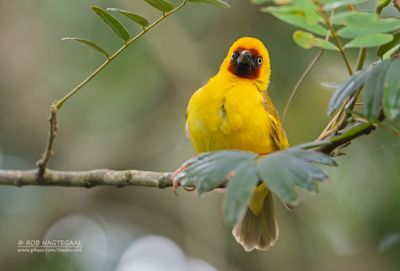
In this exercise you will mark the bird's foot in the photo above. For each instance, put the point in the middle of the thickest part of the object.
(176, 183)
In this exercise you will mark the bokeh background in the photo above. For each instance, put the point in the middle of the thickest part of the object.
(132, 117)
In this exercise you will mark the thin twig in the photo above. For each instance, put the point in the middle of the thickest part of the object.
(42, 163)
(334, 35)
(338, 121)
(53, 130)
(300, 81)
(362, 55)
(389, 128)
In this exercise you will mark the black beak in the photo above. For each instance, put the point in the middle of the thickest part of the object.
(245, 58)
(243, 64)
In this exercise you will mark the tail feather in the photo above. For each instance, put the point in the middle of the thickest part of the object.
(258, 231)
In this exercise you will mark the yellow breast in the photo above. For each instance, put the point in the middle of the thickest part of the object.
(229, 115)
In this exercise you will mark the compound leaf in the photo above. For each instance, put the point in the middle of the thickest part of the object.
(373, 92)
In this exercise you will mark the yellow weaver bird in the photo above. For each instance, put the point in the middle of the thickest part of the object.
(233, 111)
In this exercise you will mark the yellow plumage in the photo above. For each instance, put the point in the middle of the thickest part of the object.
(231, 118)
(234, 111)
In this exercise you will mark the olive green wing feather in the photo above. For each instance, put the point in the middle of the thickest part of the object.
(278, 133)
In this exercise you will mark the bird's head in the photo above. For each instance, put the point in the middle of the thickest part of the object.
(248, 58)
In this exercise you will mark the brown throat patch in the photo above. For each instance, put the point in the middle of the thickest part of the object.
(247, 71)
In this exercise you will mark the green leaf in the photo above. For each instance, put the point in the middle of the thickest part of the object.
(161, 5)
(259, 2)
(297, 17)
(313, 156)
(354, 18)
(371, 40)
(113, 23)
(307, 40)
(385, 48)
(391, 95)
(132, 16)
(283, 170)
(218, 177)
(310, 10)
(340, 3)
(374, 90)
(369, 27)
(210, 170)
(279, 181)
(348, 88)
(219, 3)
(90, 44)
(238, 192)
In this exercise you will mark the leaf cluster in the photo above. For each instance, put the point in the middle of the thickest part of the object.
(240, 171)
(321, 20)
(381, 94)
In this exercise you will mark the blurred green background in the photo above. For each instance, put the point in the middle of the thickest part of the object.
(132, 117)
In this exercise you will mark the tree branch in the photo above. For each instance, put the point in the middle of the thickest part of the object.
(122, 178)
(87, 179)
(339, 141)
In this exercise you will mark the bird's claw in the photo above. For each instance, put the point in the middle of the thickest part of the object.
(176, 183)
(189, 188)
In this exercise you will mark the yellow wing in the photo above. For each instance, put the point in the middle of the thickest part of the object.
(278, 133)
(279, 139)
